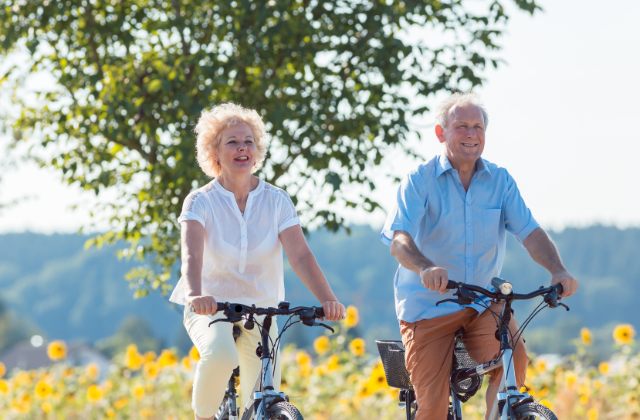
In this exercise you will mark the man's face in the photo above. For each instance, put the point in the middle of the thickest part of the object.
(463, 136)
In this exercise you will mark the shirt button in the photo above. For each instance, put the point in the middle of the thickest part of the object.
(469, 264)
(469, 224)
(469, 244)
(468, 203)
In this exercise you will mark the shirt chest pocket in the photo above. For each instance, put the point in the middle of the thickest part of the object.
(491, 224)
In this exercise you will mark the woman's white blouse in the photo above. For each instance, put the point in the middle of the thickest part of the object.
(242, 261)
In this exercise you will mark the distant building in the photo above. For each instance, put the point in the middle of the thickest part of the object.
(25, 356)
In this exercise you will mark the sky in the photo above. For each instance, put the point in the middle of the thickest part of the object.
(562, 120)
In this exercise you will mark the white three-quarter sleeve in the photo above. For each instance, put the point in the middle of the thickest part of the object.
(288, 216)
(194, 208)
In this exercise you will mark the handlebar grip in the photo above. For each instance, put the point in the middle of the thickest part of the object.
(221, 307)
(559, 288)
(320, 312)
(452, 284)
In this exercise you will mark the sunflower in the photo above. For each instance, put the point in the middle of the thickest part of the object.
(167, 358)
(138, 391)
(151, 370)
(377, 380)
(332, 363)
(352, 317)
(321, 344)
(132, 359)
(122, 402)
(57, 350)
(22, 404)
(186, 363)
(604, 368)
(150, 356)
(586, 337)
(46, 406)
(94, 393)
(43, 389)
(540, 365)
(357, 346)
(593, 413)
(624, 333)
(111, 413)
(194, 354)
(4, 386)
(93, 370)
(3, 369)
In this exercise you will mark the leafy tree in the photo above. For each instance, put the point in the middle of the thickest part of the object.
(12, 330)
(133, 330)
(332, 78)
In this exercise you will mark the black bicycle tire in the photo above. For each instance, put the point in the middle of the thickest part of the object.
(525, 412)
(284, 411)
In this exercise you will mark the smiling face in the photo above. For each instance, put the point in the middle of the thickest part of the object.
(237, 149)
(463, 136)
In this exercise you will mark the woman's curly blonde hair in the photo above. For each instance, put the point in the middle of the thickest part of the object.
(209, 133)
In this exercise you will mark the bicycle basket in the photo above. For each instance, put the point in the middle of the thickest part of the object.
(467, 388)
(392, 355)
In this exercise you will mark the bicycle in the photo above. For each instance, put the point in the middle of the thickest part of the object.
(264, 403)
(466, 376)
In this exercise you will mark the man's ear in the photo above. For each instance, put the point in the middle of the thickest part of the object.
(440, 133)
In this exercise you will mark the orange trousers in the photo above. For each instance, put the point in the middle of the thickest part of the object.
(429, 350)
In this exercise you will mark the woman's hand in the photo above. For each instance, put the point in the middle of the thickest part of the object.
(333, 311)
(203, 305)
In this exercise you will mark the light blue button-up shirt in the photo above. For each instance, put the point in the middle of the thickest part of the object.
(462, 232)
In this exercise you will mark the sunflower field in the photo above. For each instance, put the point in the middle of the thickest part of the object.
(337, 380)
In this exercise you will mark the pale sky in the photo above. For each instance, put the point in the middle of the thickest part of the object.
(563, 121)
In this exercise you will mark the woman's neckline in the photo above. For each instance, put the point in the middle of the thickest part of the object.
(252, 192)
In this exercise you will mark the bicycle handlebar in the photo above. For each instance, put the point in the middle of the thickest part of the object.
(239, 309)
(497, 295)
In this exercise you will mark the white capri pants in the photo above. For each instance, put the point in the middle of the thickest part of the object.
(219, 355)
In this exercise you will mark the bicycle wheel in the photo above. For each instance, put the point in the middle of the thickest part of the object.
(532, 411)
(284, 411)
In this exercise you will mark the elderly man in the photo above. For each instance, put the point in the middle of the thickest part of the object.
(449, 223)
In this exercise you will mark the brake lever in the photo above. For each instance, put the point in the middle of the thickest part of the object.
(562, 304)
(231, 319)
(320, 324)
(447, 300)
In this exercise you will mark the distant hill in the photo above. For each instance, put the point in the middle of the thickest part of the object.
(75, 294)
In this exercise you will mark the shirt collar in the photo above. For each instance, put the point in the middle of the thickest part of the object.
(444, 165)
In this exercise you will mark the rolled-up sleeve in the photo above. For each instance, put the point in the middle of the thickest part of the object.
(194, 208)
(517, 217)
(288, 216)
(408, 210)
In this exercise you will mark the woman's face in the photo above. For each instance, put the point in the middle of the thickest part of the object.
(237, 149)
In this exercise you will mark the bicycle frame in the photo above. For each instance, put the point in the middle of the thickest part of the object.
(508, 389)
(263, 394)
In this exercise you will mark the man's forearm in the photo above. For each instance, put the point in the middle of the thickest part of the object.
(407, 253)
(543, 251)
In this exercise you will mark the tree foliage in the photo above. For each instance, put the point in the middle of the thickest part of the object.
(332, 79)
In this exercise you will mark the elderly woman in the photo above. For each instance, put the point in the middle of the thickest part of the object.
(233, 232)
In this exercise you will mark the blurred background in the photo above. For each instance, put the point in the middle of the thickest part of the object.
(562, 104)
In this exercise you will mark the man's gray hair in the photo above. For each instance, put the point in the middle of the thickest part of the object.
(459, 99)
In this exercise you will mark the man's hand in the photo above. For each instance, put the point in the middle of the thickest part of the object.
(333, 311)
(203, 305)
(569, 284)
(435, 278)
